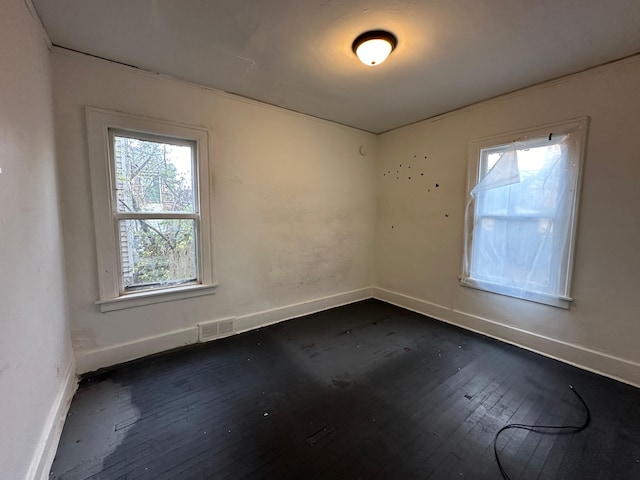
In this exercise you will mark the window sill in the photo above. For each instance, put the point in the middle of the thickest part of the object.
(140, 299)
(560, 302)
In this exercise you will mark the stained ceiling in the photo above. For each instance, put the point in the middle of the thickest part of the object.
(297, 53)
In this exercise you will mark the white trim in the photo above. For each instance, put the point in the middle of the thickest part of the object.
(92, 360)
(104, 357)
(563, 127)
(620, 369)
(577, 127)
(275, 315)
(50, 437)
(560, 302)
(148, 297)
(99, 123)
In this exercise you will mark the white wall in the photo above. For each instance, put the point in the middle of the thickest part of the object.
(36, 370)
(419, 247)
(293, 201)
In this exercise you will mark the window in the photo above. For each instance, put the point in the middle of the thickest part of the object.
(520, 222)
(150, 185)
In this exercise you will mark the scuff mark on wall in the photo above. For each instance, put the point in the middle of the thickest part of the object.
(84, 339)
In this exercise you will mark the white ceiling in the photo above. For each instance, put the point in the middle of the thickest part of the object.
(297, 53)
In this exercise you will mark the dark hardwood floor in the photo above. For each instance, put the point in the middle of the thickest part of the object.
(365, 391)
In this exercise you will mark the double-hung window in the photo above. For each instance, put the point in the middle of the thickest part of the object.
(520, 222)
(150, 185)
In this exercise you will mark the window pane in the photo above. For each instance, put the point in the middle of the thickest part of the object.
(513, 239)
(153, 176)
(157, 253)
(514, 253)
(520, 214)
(539, 191)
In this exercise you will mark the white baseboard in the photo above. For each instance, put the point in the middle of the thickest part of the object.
(48, 444)
(594, 361)
(95, 359)
(601, 363)
(280, 314)
(105, 357)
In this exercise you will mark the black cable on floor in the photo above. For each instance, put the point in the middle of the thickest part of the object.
(544, 429)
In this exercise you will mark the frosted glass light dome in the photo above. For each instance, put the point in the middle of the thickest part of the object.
(373, 48)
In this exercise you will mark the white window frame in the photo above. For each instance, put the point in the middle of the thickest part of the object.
(576, 127)
(101, 125)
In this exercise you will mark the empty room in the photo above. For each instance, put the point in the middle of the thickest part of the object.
(298, 239)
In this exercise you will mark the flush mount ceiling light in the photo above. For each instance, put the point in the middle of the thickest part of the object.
(373, 48)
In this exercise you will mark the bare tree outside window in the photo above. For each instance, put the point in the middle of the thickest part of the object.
(155, 188)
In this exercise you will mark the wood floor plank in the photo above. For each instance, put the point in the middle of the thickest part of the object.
(367, 390)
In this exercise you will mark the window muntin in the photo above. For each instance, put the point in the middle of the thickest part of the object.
(521, 213)
(150, 185)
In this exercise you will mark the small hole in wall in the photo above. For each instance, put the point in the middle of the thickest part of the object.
(446, 215)
(437, 185)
